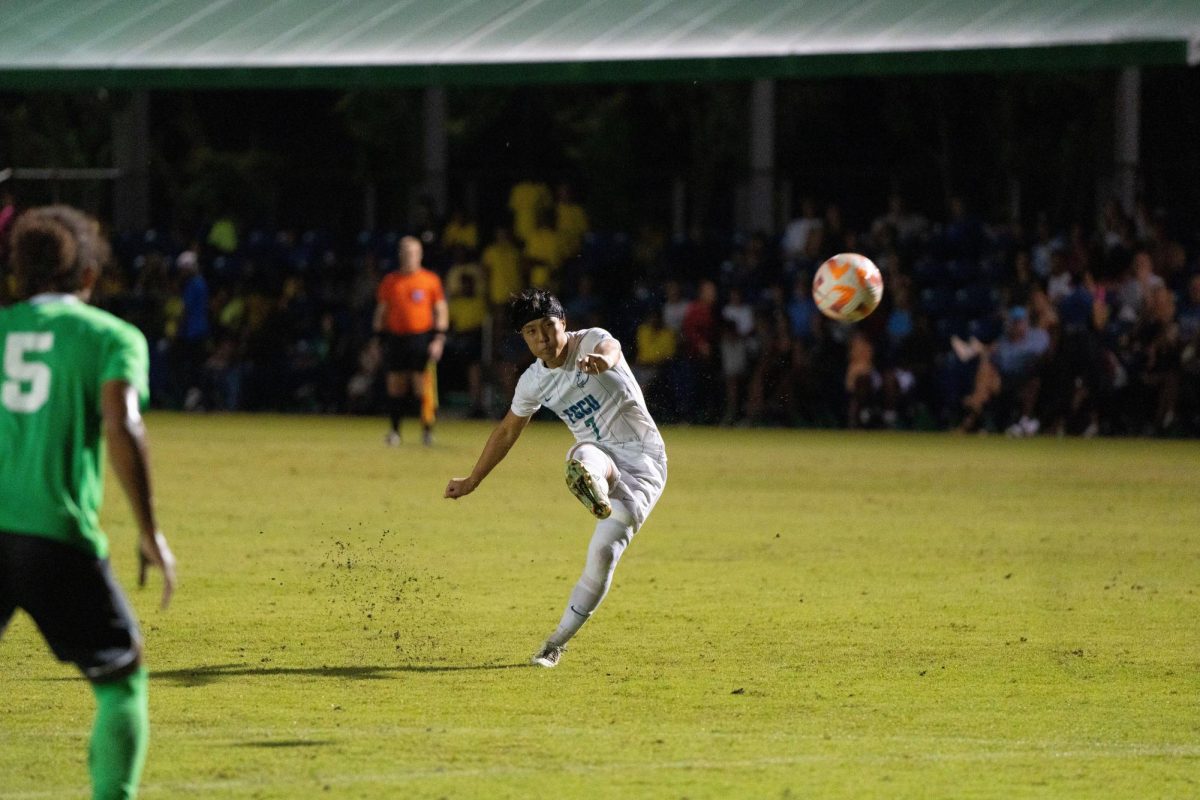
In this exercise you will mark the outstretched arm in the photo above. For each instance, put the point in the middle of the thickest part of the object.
(607, 354)
(128, 453)
(497, 447)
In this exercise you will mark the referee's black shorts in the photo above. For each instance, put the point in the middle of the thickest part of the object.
(75, 602)
(406, 352)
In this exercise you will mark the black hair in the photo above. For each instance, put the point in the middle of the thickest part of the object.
(533, 304)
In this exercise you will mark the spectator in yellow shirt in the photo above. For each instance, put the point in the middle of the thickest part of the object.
(571, 223)
(468, 313)
(526, 200)
(542, 253)
(501, 261)
(656, 347)
(460, 231)
(223, 235)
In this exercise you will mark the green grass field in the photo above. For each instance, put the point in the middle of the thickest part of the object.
(805, 615)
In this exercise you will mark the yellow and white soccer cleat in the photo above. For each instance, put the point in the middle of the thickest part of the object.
(590, 492)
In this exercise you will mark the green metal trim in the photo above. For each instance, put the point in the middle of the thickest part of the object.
(1016, 59)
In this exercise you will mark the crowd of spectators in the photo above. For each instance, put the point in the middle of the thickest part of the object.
(984, 327)
(1092, 329)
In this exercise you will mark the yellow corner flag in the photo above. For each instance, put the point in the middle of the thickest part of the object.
(429, 395)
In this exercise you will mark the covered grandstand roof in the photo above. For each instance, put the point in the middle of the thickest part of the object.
(48, 44)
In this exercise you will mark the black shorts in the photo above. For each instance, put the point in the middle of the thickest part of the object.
(75, 602)
(406, 353)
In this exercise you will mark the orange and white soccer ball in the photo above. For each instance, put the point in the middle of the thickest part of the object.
(847, 287)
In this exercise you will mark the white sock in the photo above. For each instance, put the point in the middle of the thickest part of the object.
(585, 597)
(609, 541)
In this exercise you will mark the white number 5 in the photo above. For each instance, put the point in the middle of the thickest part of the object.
(20, 373)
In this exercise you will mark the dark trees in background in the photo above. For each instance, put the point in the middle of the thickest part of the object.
(337, 159)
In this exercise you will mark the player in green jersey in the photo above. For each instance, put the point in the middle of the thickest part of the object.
(68, 374)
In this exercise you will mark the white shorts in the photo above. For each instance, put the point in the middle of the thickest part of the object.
(641, 478)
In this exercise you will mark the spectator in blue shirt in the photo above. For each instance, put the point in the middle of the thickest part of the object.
(191, 341)
(1009, 371)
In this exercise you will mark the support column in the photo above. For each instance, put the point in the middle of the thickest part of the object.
(131, 157)
(436, 183)
(762, 156)
(1127, 138)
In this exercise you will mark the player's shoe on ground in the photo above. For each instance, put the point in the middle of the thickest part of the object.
(589, 491)
(548, 656)
(392, 439)
(1024, 428)
(427, 438)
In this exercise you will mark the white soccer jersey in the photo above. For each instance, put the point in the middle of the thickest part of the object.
(606, 409)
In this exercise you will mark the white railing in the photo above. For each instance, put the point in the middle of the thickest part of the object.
(59, 174)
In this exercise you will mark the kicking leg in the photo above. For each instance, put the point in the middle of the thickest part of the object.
(591, 475)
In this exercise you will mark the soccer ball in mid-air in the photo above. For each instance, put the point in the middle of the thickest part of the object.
(847, 287)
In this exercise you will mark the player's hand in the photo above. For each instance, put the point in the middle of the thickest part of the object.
(592, 363)
(459, 487)
(154, 552)
(436, 346)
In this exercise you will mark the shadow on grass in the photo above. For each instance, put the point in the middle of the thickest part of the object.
(204, 675)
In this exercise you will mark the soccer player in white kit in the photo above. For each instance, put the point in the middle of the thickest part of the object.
(618, 465)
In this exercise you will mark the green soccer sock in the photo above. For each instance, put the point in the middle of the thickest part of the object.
(119, 737)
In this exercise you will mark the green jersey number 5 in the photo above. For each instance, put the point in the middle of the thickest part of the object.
(26, 383)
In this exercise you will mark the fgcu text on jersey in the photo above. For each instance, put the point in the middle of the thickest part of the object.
(607, 408)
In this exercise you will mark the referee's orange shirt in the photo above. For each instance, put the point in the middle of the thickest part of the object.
(409, 300)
